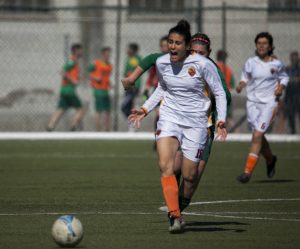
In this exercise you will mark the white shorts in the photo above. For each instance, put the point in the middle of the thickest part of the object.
(260, 116)
(192, 140)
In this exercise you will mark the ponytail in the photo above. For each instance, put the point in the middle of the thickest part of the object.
(182, 28)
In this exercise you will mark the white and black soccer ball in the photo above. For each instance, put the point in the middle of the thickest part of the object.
(67, 231)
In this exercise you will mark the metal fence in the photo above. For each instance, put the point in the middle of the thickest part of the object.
(35, 42)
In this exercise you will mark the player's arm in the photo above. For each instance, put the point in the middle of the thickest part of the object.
(91, 68)
(67, 67)
(283, 81)
(245, 77)
(143, 66)
(138, 114)
(211, 76)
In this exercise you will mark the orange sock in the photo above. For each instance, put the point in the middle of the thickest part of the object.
(170, 191)
(251, 163)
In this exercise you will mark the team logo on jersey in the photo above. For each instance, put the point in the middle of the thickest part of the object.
(273, 70)
(263, 126)
(192, 71)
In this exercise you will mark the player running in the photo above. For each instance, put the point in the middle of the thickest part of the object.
(200, 44)
(183, 114)
(68, 95)
(100, 71)
(265, 79)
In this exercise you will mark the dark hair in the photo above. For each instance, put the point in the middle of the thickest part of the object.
(164, 38)
(75, 47)
(182, 28)
(201, 38)
(104, 49)
(221, 55)
(134, 47)
(269, 37)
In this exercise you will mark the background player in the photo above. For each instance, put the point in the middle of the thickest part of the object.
(265, 78)
(229, 79)
(292, 94)
(100, 71)
(131, 63)
(68, 96)
(183, 118)
(152, 80)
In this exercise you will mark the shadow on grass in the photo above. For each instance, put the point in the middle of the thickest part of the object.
(214, 226)
(276, 181)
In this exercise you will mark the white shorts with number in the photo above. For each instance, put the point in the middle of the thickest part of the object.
(192, 140)
(260, 115)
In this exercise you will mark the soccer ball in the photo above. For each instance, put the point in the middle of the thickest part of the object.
(67, 231)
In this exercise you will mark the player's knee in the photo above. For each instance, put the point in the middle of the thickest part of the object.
(257, 137)
(166, 167)
(190, 177)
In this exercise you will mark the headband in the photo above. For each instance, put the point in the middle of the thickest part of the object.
(200, 39)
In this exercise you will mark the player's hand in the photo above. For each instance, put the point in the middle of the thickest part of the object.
(240, 86)
(279, 90)
(127, 83)
(136, 117)
(222, 132)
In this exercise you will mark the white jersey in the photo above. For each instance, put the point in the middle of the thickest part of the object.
(183, 86)
(262, 78)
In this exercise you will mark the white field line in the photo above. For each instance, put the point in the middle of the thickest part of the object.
(247, 200)
(206, 214)
(123, 136)
(241, 217)
(217, 214)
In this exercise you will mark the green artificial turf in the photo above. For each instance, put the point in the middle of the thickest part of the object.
(113, 187)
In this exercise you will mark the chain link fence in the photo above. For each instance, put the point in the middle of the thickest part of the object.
(35, 43)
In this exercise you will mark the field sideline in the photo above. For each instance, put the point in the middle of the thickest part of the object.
(113, 187)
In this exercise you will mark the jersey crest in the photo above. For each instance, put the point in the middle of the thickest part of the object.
(192, 71)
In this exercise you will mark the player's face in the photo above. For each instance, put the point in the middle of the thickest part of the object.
(106, 55)
(79, 53)
(164, 46)
(177, 47)
(199, 49)
(263, 47)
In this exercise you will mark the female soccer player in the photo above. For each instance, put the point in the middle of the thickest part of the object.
(200, 44)
(265, 78)
(183, 115)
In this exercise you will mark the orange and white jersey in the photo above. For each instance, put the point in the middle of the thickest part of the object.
(183, 85)
(262, 78)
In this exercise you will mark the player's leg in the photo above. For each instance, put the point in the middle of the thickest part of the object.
(186, 192)
(107, 121)
(167, 148)
(262, 117)
(79, 112)
(127, 103)
(177, 166)
(168, 136)
(98, 120)
(107, 116)
(269, 157)
(56, 116)
(193, 144)
(63, 105)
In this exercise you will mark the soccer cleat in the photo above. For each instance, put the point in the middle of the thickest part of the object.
(271, 167)
(175, 224)
(244, 178)
(182, 222)
(49, 129)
